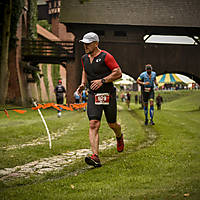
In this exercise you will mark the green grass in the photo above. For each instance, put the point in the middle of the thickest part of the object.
(160, 162)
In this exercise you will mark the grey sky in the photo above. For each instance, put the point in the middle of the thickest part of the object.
(170, 39)
(40, 2)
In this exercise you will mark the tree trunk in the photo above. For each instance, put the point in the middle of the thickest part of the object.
(4, 72)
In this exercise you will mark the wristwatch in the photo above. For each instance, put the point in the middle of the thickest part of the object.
(103, 80)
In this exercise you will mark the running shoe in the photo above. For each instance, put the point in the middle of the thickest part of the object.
(120, 144)
(93, 160)
(152, 123)
(146, 122)
(59, 114)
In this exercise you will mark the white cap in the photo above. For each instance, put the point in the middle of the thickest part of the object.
(90, 37)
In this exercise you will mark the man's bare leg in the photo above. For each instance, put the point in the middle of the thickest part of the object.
(94, 135)
(117, 130)
(116, 127)
(94, 141)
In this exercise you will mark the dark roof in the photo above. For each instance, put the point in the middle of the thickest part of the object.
(180, 13)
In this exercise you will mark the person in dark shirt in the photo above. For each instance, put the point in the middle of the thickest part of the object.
(128, 99)
(159, 101)
(59, 90)
(136, 98)
(100, 70)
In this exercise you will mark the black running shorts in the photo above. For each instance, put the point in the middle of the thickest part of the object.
(59, 100)
(94, 112)
(148, 96)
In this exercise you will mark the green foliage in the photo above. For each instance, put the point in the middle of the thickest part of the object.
(46, 81)
(17, 6)
(36, 77)
(45, 24)
(32, 19)
(55, 73)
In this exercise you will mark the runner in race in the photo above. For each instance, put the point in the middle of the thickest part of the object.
(100, 69)
(147, 80)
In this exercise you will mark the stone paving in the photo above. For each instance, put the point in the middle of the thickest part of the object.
(50, 164)
(54, 163)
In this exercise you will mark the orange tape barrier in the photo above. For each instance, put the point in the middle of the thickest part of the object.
(20, 111)
(71, 107)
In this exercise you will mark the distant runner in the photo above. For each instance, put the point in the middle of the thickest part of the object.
(147, 80)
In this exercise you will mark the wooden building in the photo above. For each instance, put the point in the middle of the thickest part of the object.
(122, 26)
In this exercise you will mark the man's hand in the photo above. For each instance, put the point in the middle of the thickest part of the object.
(80, 89)
(96, 84)
(146, 83)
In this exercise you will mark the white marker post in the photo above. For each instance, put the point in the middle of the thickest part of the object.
(45, 124)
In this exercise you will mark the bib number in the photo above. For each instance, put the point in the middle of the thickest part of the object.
(147, 89)
(102, 99)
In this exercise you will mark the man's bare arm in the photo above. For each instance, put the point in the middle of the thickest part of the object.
(83, 82)
(116, 74)
(139, 81)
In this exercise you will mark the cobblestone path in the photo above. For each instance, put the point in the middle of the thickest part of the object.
(50, 164)
(58, 162)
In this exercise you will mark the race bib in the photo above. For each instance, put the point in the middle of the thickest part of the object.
(147, 89)
(102, 99)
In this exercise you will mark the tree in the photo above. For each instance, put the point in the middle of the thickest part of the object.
(12, 10)
(4, 73)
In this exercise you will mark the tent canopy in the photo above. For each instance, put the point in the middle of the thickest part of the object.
(168, 78)
(123, 82)
(171, 78)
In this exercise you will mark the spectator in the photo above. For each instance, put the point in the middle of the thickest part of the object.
(136, 99)
(122, 96)
(59, 90)
(128, 99)
(77, 97)
(159, 101)
(84, 97)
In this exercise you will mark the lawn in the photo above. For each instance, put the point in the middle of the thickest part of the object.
(159, 162)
